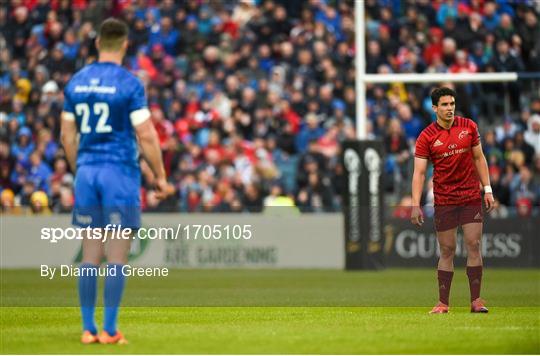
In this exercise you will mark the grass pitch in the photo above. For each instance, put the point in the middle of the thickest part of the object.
(283, 311)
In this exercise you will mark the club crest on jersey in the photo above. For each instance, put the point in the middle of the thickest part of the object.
(452, 146)
(463, 134)
(437, 143)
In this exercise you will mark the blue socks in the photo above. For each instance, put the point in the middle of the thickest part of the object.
(114, 286)
(87, 295)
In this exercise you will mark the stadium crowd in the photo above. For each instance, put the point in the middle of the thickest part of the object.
(251, 99)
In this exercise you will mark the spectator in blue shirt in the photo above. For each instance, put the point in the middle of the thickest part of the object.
(167, 36)
(448, 9)
(24, 146)
(39, 172)
(310, 132)
(412, 124)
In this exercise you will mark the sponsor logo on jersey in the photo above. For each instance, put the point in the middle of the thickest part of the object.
(437, 143)
(453, 152)
(452, 146)
(83, 219)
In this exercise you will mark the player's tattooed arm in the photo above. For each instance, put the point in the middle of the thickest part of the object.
(481, 166)
(69, 139)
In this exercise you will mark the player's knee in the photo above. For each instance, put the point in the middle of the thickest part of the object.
(473, 246)
(93, 256)
(118, 257)
(448, 251)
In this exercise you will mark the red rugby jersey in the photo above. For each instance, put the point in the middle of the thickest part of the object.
(455, 180)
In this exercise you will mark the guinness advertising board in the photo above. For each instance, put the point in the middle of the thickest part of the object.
(363, 162)
(505, 243)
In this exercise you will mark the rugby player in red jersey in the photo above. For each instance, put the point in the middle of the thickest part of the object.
(452, 144)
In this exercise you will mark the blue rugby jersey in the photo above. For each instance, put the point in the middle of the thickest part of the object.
(106, 101)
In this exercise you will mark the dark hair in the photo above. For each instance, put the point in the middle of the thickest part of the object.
(439, 92)
(112, 33)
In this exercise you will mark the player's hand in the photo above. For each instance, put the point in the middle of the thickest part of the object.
(163, 188)
(417, 216)
(489, 201)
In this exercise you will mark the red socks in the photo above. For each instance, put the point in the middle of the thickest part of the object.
(445, 281)
(475, 281)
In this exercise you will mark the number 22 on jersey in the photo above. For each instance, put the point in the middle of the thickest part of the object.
(98, 109)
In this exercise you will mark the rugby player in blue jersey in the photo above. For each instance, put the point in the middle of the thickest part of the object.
(105, 114)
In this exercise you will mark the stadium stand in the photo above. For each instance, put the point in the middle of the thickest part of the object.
(251, 99)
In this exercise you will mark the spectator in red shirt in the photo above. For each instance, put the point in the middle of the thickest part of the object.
(435, 45)
(163, 127)
(463, 64)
